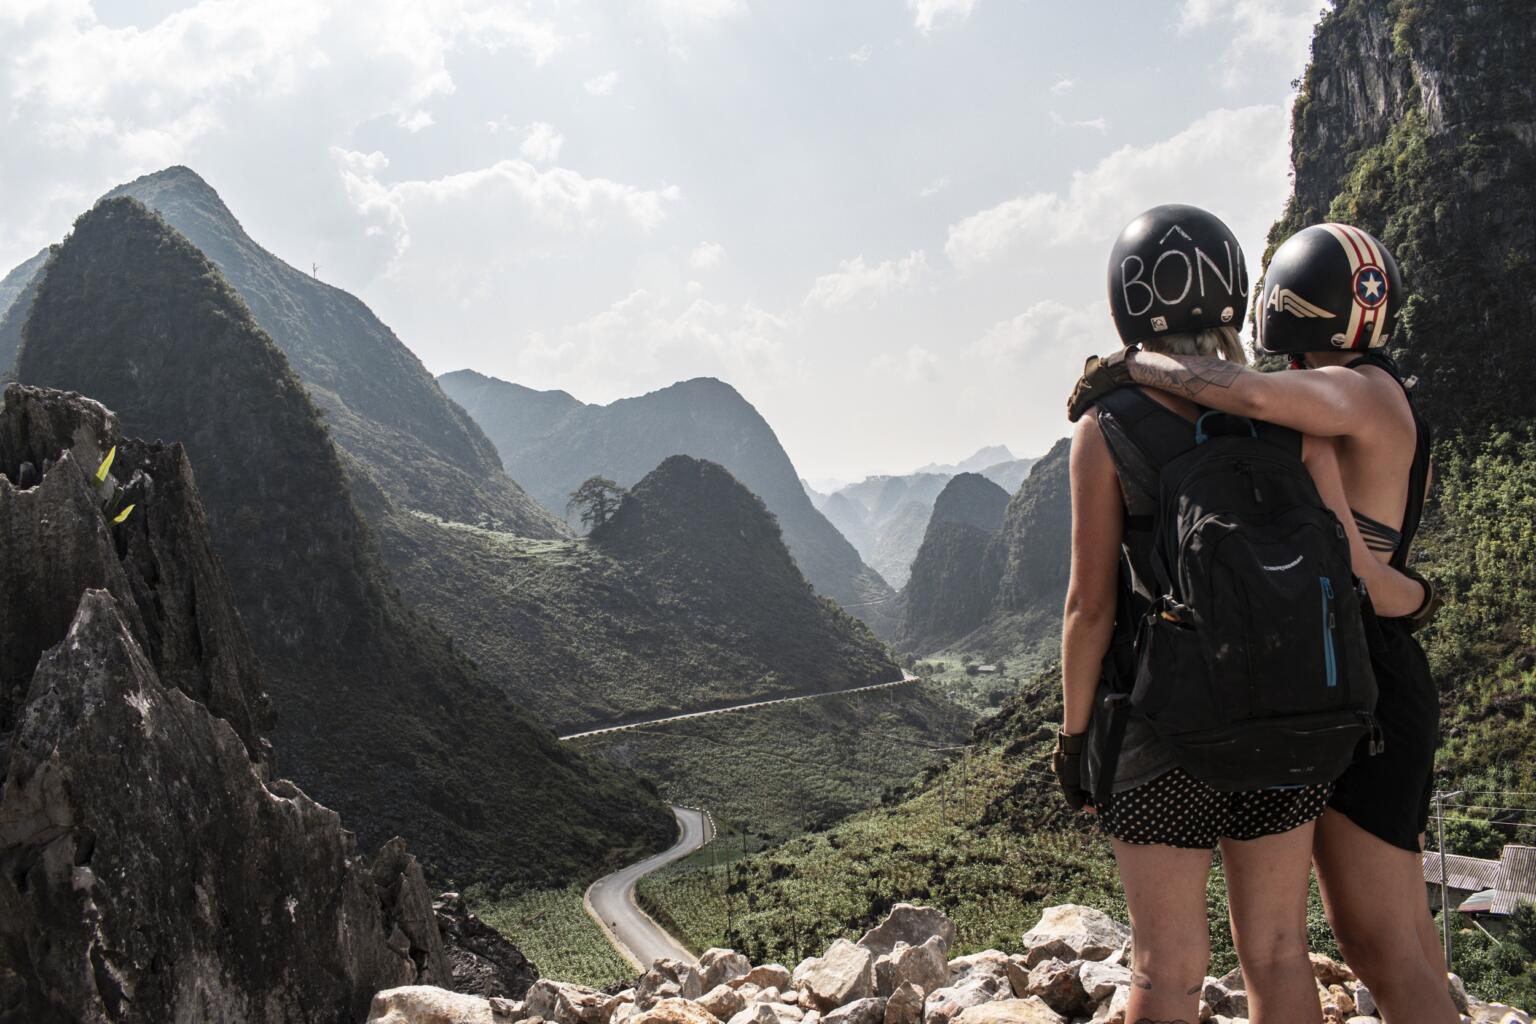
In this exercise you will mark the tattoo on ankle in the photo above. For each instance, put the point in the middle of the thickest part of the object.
(1149, 1020)
(1141, 981)
(1190, 378)
(1199, 987)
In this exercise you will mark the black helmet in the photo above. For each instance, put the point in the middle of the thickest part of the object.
(1330, 287)
(1176, 269)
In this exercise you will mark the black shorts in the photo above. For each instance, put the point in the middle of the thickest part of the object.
(1177, 809)
(1388, 795)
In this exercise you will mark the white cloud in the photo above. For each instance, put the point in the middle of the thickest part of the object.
(1232, 162)
(706, 256)
(648, 339)
(1063, 86)
(601, 85)
(1272, 30)
(1042, 350)
(1098, 124)
(554, 197)
(286, 78)
(933, 188)
(926, 14)
(858, 282)
(861, 56)
(415, 121)
(542, 143)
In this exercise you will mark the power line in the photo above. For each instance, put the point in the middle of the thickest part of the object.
(1485, 821)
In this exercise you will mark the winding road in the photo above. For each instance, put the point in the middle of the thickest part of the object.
(611, 899)
(636, 723)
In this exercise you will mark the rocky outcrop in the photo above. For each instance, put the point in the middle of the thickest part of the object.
(150, 867)
(1073, 969)
(481, 959)
(1415, 122)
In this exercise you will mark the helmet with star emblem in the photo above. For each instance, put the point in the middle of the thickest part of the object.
(1330, 288)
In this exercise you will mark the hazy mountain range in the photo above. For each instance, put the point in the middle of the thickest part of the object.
(884, 517)
(551, 442)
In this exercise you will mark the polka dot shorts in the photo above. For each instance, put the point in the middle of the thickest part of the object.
(1177, 809)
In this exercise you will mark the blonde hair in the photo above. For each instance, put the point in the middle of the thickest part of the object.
(1212, 341)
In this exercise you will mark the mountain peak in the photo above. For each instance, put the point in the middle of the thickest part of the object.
(971, 498)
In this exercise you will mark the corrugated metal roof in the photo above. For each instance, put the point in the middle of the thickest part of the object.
(1467, 873)
(1517, 879)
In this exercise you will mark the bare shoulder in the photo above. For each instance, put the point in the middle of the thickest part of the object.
(1382, 392)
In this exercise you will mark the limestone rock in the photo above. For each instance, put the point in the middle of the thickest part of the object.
(844, 974)
(924, 966)
(481, 959)
(669, 979)
(1458, 991)
(945, 1004)
(675, 1011)
(911, 924)
(990, 965)
(1328, 972)
(1365, 1003)
(1112, 1010)
(870, 1010)
(1011, 1011)
(109, 873)
(766, 976)
(1099, 980)
(426, 1004)
(1223, 1000)
(1072, 932)
(1057, 983)
(723, 1001)
(564, 1003)
(721, 965)
(905, 1005)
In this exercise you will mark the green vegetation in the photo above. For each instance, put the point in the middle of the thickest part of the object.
(685, 600)
(554, 930)
(781, 770)
(984, 836)
(1504, 969)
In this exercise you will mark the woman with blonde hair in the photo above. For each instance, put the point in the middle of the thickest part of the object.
(1178, 285)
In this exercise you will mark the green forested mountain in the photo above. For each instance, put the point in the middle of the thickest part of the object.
(550, 442)
(686, 599)
(380, 403)
(1004, 601)
(1413, 121)
(16, 290)
(955, 575)
(377, 716)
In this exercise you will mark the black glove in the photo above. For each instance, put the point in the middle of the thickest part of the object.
(1426, 611)
(1067, 763)
(1100, 377)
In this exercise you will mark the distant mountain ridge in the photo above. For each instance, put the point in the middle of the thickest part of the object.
(885, 516)
(551, 442)
(986, 583)
(380, 402)
(377, 716)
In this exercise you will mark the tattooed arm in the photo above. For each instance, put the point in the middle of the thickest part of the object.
(1326, 402)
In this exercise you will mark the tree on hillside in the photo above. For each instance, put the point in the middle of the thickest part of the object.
(596, 500)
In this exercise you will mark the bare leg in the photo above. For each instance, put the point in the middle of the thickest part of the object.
(1430, 939)
(1267, 887)
(1375, 897)
(1165, 892)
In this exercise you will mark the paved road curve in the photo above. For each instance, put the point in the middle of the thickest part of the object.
(818, 695)
(611, 899)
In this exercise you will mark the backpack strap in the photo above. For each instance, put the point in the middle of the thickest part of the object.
(1418, 474)
(1143, 435)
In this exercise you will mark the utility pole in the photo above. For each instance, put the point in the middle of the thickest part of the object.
(1445, 906)
(314, 270)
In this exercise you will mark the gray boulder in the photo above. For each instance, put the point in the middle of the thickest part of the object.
(870, 1010)
(905, 1005)
(564, 1003)
(844, 974)
(1011, 1011)
(924, 966)
(718, 965)
(911, 924)
(1072, 932)
(945, 1004)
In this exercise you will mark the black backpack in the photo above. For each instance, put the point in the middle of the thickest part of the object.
(1249, 657)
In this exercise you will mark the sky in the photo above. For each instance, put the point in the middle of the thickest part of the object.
(885, 222)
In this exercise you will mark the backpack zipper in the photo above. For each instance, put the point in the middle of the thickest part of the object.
(1329, 625)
